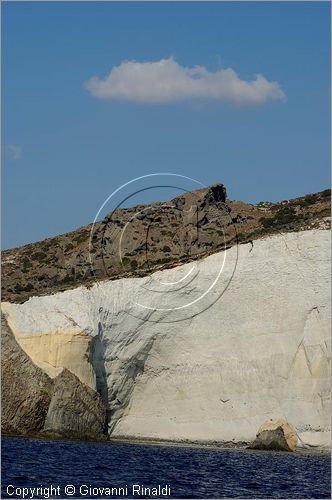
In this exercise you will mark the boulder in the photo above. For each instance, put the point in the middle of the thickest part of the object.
(75, 410)
(275, 434)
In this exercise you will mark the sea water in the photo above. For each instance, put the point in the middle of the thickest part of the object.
(40, 468)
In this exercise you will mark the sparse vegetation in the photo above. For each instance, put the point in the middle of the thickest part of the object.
(27, 264)
(241, 237)
(39, 256)
(326, 193)
(46, 245)
(68, 279)
(267, 221)
(310, 199)
(164, 260)
(283, 216)
(81, 237)
(21, 288)
(29, 270)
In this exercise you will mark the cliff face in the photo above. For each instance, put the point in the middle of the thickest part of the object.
(32, 402)
(176, 358)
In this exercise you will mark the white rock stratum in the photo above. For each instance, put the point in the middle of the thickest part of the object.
(255, 347)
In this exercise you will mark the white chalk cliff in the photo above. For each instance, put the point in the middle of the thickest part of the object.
(205, 351)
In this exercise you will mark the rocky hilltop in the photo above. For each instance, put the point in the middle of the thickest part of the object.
(153, 237)
(203, 347)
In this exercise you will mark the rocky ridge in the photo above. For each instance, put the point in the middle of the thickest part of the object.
(153, 237)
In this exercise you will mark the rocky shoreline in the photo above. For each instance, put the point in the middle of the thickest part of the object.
(130, 441)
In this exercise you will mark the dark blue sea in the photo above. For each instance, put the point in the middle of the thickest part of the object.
(71, 469)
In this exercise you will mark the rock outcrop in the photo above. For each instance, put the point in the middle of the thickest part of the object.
(208, 350)
(275, 434)
(32, 402)
(25, 388)
(75, 409)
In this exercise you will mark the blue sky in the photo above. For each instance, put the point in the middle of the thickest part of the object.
(65, 150)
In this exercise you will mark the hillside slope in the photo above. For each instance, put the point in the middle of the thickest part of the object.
(152, 237)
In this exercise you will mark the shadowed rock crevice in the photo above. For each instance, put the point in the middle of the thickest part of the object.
(120, 393)
(98, 349)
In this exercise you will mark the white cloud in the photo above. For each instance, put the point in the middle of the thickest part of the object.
(167, 81)
(14, 152)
